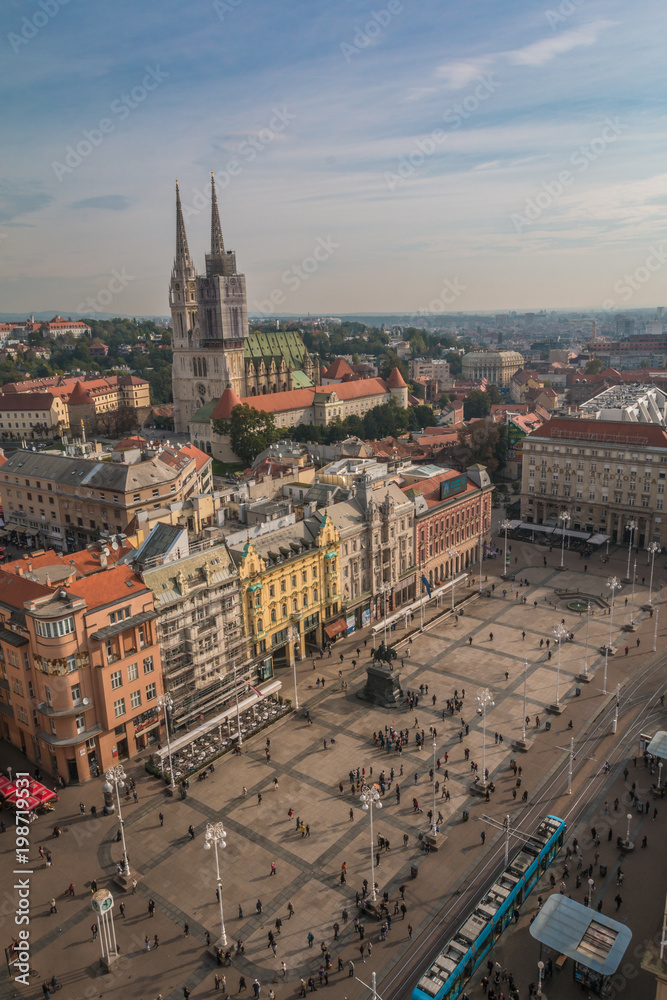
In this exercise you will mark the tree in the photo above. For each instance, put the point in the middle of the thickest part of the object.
(423, 416)
(478, 443)
(390, 360)
(493, 395)
(453, 358)
(476, 404)
(594, 367)
(444, 400)
(250, 431)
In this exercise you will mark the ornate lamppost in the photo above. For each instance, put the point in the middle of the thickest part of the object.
(369, 798)
(652, 548)
(215, 837)
(166, 702)
(484, 700)
(564, 518)
(614, 584)
(505, 525)
(560, 635)
(116, 779)
(631, 526)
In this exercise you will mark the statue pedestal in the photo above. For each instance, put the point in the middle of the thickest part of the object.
(383, 686)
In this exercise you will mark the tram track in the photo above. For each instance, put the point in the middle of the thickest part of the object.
(399, 986)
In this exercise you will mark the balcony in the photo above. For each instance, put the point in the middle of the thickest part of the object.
(64, 713)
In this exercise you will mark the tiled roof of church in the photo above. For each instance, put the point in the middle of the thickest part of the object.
(339, 368)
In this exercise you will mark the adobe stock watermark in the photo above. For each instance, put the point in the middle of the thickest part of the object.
(563, 11)
(224, 7)
(626, 286)
(116, 284)
(31, 26)
(121, 107)
(408, 165)
(372, 29)
(295, 276)
(553, 189)
(449, 293)
(247, 151)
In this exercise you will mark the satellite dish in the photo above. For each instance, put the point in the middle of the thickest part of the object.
(86, 701)
(114, 545)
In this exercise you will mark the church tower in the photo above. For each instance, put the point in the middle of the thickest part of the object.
(210, 322)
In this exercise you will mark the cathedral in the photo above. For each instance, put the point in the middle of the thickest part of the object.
(212, 346)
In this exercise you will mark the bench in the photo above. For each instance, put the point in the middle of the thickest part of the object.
(560, 961)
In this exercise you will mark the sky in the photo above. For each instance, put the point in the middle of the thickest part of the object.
(388, 156)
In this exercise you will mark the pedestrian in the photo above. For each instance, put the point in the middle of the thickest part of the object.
(644, 842)
(256, 988)
(94, 931)
(242, 984)
(186, 929)
(259, 798)
(410, 931)
(258, 906)
(351, 814)
(156, 942)
(290, 909)
(191, 832)
(483, 836)
(122, 909)
(618, 900)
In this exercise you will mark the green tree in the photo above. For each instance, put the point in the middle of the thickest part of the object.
(250, 431)
(493, 395)
(594, 367)
(476, 404)
(478, 443)
(455, 363)
(423, 416)
(444, 400)
(390, 360)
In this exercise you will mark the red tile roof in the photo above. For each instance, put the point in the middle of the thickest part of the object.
(430, 488)
(396, 380)
(26, 401)
(79, 396)
(22, 590)
(109, 586)
(225, 405)
(200, 457)
(356, 390)
(603, 431)
(135, 441)
(339, 368)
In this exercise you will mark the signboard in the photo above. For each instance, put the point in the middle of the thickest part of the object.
(365, 617)
(450, 487)
(515, 436)
(350, 623)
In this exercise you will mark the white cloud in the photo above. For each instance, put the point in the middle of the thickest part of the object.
(541, 52)
(459, 74)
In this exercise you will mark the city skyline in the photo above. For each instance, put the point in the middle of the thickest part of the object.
(447, 160)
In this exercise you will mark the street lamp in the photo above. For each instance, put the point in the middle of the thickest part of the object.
(505, 525)
(631, 527)
(433, 826)
(627, 834)
(525, 681)
(563, 517)
(452, 555)
(481, 558)
(370, 796)
(614, 584)
(484, 700)
(591, 886)
(116, 778)
(540, 974)
(659, 774)
(385, 591)
(632, 601)
(295, 638)
(166, 702)
(588, 622)
(652, 548)
(215, 836)
(560, 634)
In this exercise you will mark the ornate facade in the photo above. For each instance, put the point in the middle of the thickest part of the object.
(211, 343)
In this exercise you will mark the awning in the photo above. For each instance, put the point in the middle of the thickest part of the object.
(117, 628)
(598, 539)
(32, 531)
(658, 745)
(267, 690)
(13, 526)
(336, 628)
(570, 533)
(546, 528)
(583, 934)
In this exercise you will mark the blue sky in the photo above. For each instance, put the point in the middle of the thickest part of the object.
(516, 150)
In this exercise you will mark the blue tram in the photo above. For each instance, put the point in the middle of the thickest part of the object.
(455, 963)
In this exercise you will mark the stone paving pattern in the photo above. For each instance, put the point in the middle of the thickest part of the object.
(180, 877)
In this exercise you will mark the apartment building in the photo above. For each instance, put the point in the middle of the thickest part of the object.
(65, 503)
(80, 668)
(291, 589)
(430, 368)
(604, 473)
(377, 564)
(31, 416)
(207, 659)
(452, 520)
(76, 399)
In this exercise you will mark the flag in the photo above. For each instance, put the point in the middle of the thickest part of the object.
(252, 687)
(426, 584)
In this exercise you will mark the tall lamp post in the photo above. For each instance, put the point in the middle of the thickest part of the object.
(564, 518)
(434, 830)
(588, 622)
(452, 555)
(370, 797)
(215, 837)
(484, 700)
(481, 559)
(560, 634)
(295, 639)
(505, 525)
(631, 527)
(116, 778)
(614, 584)
(525, 681)
(652, 548)
(385, 591)
(632, 600)
(166, 702)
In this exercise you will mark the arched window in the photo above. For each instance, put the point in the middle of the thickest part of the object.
(295, 604)
(315, 597)
(273, 614)
(284, 611)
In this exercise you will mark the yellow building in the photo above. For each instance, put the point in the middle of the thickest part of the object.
(290, 589)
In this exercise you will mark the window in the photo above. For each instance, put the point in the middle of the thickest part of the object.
(284, 610)
(119, 708)
(631, 501)
(273, 614)
(272, 591)
(282, 586)
(116, 680)
(80, 724)
(151, 692)
(118, 616)
(658, 504)
(133, 671)
(135, 699)
(52, 630)
(76, 694)
(143, 642)
(18, 686)
(295, 604)
(148, 665)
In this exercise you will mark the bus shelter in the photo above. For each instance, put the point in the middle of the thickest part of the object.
(595, 943)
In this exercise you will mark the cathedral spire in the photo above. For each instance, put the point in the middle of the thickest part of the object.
(217, 244)
(182, 252)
